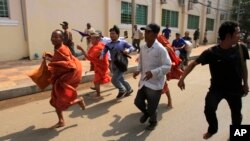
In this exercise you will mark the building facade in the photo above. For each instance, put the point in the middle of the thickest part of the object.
(26, 25)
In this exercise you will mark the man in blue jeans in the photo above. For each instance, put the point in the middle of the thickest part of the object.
(114, 47)
(154, 63)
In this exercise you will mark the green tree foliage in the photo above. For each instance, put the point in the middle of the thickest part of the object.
(244, 15)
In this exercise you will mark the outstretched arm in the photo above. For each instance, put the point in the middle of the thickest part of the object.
(82, 50)
(189, 68)
(245, 79)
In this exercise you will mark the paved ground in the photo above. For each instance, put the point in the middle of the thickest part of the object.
(15, 82)
(108, 119)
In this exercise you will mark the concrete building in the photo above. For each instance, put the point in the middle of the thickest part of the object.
(26, 25)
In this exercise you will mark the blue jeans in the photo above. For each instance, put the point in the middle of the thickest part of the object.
(118, 80)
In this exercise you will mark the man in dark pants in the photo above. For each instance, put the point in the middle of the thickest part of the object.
(67, 37)
(229, 76)
(154, 63)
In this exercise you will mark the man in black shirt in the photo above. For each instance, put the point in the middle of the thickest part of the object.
(229, 76)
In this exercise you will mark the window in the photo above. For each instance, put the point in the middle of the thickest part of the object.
(170, 18)
(193, 22)
(141, 14)
(190, 5)
(140, 17)
(4, 10)
(126, 13)
(210, 24)
(209, 3)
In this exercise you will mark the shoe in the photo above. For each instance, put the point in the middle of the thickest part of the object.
(120, 94)
(129, 93)
(151, 126)
(144, 118)
(207, 135)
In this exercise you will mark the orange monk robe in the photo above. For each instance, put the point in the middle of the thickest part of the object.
(175, 72)
(66, 75)
(101, 67)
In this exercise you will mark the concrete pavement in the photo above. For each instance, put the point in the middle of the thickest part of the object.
(110, 120)
(14, 81)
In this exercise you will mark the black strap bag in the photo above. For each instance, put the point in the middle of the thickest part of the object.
(121, 61)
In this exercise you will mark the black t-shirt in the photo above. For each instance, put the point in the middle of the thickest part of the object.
(225, 67)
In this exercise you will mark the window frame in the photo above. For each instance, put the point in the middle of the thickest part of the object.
(192, 24)
(5, 9)
(129, 14)
(172, 20)
(8, 21)
(138, 16)
(210, 24)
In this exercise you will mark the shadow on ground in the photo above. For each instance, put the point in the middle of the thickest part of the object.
(130, 128)
(33, 134)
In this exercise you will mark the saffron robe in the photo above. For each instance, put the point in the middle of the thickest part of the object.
(66, 75)
(101, 67)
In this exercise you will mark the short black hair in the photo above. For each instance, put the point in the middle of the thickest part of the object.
(227, 27)
(115, 29)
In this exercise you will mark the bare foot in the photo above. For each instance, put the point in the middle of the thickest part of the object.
(93, 88)
(82, 103)
(58, 125)
(169, 106)
(207, 135)
(95, 96)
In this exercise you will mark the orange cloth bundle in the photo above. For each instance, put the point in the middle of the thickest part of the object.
(66, 75)
(41, 76)
(175, 72)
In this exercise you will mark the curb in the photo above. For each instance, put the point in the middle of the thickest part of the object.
(32, 88)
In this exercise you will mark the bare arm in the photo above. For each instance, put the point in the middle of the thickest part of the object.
(245, 79)
(82, 50)
(189, 68)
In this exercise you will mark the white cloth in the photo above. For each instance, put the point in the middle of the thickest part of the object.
(188, 46)
(188, 43)
(137, 34)
(156, 60)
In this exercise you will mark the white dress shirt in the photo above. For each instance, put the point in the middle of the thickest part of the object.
(156, 60)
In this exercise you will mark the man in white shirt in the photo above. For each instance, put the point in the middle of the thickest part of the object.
(137, 36)
(154, 63)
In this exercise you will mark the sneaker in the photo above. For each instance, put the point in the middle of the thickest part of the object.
(120, 94)
(129, 93)
(151, 126)
(144, 118)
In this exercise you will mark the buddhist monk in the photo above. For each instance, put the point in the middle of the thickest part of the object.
(101, 66)
(66, 73)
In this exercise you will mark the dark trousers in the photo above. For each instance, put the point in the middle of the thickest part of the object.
(136, 44)
(152, 97)
(211, 103)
